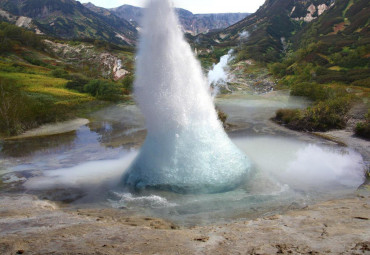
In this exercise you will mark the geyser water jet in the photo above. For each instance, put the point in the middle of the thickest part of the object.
(186, 148)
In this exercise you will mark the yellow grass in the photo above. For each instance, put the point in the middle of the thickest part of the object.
(335, 68)
(46, 85)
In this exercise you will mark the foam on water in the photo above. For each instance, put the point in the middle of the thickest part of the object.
(186, 149)
(127, 199)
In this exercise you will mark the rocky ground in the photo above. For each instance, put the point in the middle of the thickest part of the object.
(32, 226)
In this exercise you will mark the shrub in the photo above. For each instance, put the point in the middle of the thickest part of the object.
(327, 115)
(11, 105)
(311, 90)
(362, 129)
(103, 90)
(278, 69)
(20, 110)
(128, 84)
(34, 61)
(11, 35)
(323, 116)
(286, 116)
(77, 82)
(60, 73)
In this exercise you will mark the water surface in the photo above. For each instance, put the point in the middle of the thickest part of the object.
(83, 168)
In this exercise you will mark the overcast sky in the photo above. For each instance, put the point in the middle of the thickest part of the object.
(195, 6)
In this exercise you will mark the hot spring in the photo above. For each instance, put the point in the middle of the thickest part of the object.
(185, 166)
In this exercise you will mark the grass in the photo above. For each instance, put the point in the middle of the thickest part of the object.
(46, 85)
(36, 98)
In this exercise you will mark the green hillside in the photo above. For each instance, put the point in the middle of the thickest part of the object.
(329, 62)
(261, 35)
(38, 86)
(317, 49)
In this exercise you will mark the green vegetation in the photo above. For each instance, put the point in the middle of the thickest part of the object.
(21, 109)
(321, 116)
(329, 63)
(37, 87)
(362, 129)
(104, 90)
(11, 37)
(128, 84)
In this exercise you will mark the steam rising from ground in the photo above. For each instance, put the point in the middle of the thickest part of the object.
(87, 176)
(218, 76)
(243, 36)
(305, 166)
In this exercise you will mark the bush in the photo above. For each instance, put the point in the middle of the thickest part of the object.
(128, 84)
(77, 82)
(35, 61)
(60, 73)
(311, 90)
(286, 116)
(362, 129)
(103, 90)
(323, 116)
(11, 35)
(327, 115)
(278, 69)
(20, 110)
(11, 105)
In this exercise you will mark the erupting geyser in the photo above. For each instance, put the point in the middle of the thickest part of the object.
(186, 148)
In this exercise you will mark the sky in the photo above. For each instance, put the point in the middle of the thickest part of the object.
(195, 6)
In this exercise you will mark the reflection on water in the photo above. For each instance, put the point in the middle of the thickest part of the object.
(84, 167)
(32, 145)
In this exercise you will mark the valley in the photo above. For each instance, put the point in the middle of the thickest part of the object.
(91, 98)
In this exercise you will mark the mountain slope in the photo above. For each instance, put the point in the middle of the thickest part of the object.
(264, 34)
(336, 46)
(47, 80)
(329, 63)
(191, 23)
(70, 19)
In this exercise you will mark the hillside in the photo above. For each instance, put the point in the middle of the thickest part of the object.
(328, 61)
(44, 81)
(318, 49)
(336, 46)
(191, 23)
(70, 19)
(265, 33)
